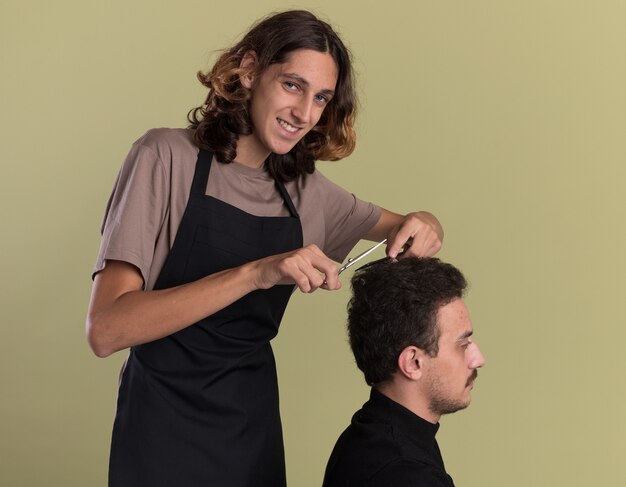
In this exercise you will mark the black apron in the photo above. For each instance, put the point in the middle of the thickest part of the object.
(200, 407)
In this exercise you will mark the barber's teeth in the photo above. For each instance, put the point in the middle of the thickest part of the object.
(288, 127)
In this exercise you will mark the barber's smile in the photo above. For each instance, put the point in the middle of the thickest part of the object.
(291, 129)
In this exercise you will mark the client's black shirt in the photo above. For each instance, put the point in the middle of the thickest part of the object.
(387, 445)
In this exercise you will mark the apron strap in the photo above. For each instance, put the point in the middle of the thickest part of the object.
(201, 174)
(287, 198)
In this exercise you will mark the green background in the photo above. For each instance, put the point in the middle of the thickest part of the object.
(505, 119)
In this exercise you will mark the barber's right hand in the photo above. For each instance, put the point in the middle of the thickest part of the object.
(308, 268)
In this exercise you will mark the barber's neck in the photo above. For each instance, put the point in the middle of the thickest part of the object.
(250, 152)
(408, 394)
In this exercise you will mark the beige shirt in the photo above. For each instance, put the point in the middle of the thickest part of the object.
(152, 189)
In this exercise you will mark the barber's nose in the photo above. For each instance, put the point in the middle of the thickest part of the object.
(302, 109)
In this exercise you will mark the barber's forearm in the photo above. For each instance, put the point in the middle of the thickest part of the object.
(386, 222)
(136, 317)
(121, 314)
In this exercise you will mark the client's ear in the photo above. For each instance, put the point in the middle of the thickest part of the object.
(410, 362)
(248, 62)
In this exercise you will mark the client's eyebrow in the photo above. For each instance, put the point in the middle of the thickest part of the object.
(465, 335)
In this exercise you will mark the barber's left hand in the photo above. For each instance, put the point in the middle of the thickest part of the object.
(418, 234)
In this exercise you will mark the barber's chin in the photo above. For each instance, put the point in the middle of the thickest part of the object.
(283, 148)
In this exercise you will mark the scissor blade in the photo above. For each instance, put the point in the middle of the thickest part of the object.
(354, 260)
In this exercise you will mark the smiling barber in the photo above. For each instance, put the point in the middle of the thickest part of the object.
(206, 231)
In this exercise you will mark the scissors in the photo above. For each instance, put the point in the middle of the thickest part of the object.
(354, 260)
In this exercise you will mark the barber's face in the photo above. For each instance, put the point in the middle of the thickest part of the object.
(449, 377)
(287, 101)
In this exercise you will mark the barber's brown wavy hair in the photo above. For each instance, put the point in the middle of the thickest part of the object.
(224, 116)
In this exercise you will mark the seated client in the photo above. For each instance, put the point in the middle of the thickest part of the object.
(411, 335)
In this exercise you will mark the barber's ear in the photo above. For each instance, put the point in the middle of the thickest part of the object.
(410, 362)
(248, 62)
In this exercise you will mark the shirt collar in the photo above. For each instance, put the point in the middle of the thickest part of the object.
(406, 424)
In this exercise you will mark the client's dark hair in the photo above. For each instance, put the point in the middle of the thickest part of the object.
(394, 305)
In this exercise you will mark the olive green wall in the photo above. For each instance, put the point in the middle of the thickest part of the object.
(506, 119)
